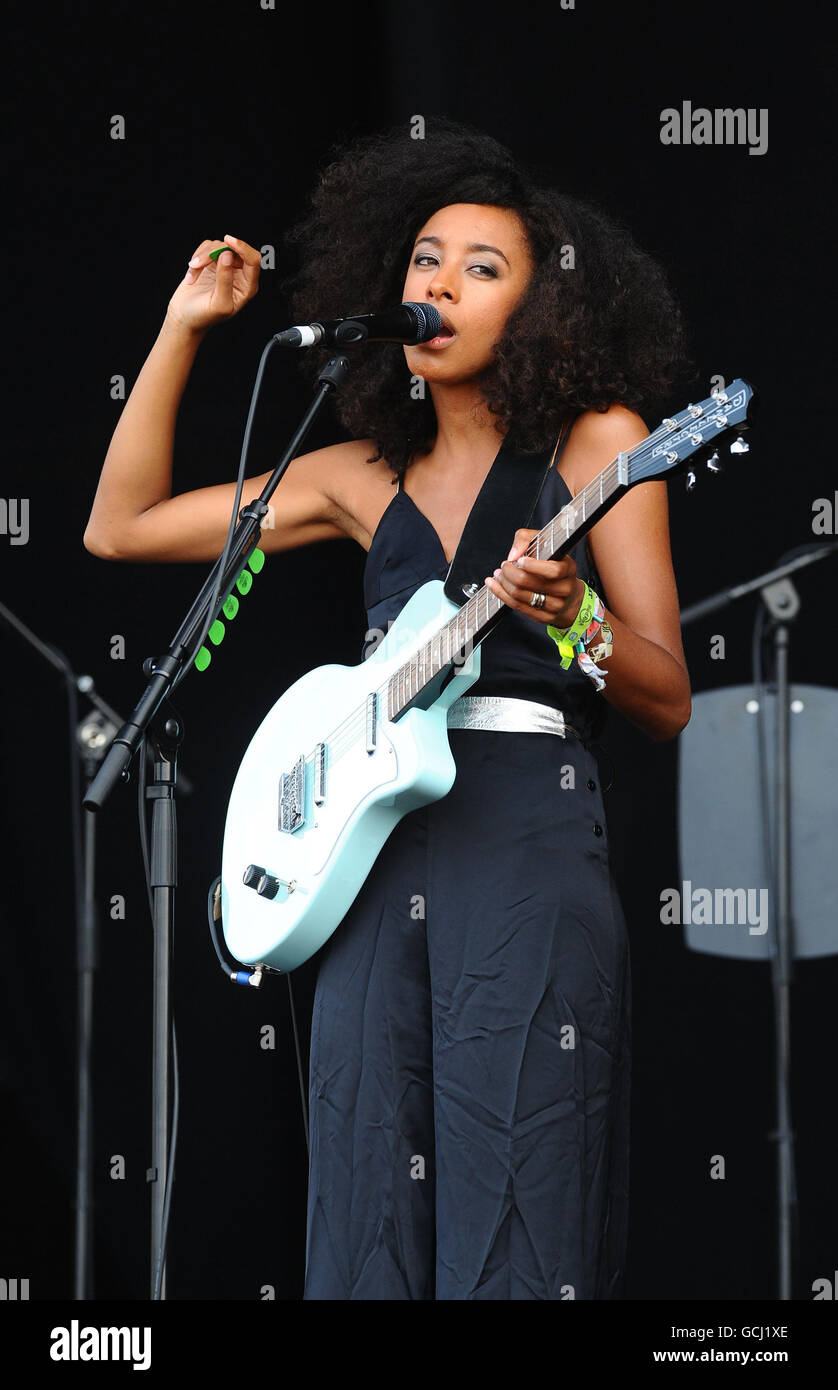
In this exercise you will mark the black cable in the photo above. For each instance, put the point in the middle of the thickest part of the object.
(170, 1168)
(141, 786)
(142, 757)
(241, 974)
(299, 1064)
(213, 606)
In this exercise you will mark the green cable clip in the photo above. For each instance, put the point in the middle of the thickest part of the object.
(230, 606)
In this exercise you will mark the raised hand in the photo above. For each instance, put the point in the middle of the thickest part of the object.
(214, 290)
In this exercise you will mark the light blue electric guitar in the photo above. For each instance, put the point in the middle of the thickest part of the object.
(348, 750)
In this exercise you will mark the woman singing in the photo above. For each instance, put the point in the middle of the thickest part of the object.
(470, 1046)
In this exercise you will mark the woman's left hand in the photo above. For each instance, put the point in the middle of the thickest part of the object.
(520, 576)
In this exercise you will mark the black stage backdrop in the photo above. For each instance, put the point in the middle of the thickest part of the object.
(229, 110)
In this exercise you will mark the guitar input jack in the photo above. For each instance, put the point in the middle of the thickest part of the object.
(239, 974)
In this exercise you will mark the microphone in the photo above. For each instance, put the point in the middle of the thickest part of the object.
(407, 323)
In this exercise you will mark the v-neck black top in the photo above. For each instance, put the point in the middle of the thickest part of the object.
(518, 658)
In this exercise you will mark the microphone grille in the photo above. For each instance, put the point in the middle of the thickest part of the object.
(427, 319)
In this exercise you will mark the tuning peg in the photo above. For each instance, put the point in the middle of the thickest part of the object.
(714, 463)
(740, 446)
(690, 480)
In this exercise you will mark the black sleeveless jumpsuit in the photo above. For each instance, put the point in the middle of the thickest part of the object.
(470, 1045)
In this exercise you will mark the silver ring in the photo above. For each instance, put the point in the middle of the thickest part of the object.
(538, 600)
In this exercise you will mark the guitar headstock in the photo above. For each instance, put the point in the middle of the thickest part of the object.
(695, 432)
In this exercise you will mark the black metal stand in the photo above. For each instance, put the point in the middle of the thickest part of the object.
(782, 605)
(91, 737)
(87, 960)
(166, 733)
(776, 599)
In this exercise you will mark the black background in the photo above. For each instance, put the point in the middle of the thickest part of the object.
(230, 110)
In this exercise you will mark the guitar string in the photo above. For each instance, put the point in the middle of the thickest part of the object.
(346, 734)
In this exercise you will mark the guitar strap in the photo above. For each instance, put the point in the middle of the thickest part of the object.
(514, 480)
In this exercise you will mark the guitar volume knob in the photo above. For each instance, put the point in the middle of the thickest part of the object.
(252, 874)
(265, 884)
(268, 886)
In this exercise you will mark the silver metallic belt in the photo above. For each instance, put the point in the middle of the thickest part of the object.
(502, 712)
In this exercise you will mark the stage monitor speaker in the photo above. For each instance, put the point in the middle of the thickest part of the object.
(726, 895)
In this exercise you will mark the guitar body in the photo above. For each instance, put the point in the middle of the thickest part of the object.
(364, 794)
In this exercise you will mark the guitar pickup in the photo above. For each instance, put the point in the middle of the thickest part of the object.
(320, 774)
(371, 721)
(292, 798)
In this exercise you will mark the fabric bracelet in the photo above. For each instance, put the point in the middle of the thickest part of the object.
(566, 639)
(575, 640)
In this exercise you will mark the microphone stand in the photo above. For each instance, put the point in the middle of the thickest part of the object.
(90, 737)
(155, 716)
(782, 605)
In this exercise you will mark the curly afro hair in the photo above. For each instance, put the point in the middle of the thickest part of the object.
(608, 331)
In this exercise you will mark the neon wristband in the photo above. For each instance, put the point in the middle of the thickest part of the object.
(567, 639)
(576, 640)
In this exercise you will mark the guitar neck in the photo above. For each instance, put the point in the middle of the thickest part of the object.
(481, 613)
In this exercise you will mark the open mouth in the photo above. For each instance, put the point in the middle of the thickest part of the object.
(444, 335)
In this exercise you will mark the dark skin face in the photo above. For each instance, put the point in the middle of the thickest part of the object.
(475, 288)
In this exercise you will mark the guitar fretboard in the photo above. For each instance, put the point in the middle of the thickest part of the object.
(453, 641)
